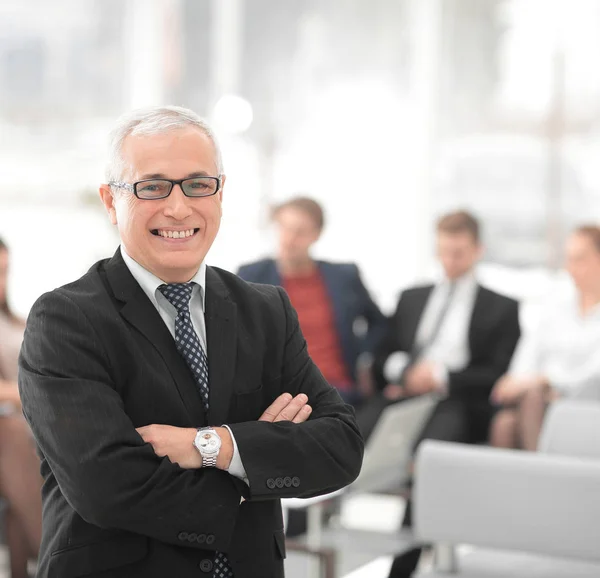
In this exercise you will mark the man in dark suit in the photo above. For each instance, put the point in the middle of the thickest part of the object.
(128, 375)
(455, 338)
(330, 298)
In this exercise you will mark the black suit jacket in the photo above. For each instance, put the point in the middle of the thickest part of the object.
(493, 335)
(98, 361)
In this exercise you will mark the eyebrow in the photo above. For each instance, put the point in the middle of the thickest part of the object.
(163, 176)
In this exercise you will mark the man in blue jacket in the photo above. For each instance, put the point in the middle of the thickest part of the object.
(330, 298)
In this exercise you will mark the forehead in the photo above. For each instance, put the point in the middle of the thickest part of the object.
(461, 239)
(294, 216)
(578, 242)
(174, 154)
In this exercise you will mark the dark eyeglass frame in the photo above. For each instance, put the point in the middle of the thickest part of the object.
(133, 187)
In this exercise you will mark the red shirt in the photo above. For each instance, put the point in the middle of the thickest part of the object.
(309, 297)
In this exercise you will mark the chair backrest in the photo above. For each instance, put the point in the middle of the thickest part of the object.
(389, 449)
(507, 499)
(572, 428)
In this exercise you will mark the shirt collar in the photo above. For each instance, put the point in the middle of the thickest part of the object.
(150, 282)
(466, 280)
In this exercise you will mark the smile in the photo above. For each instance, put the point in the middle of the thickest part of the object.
(172, 234)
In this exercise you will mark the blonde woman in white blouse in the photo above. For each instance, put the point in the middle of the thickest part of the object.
(560, 358)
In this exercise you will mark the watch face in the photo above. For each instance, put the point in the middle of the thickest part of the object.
(209, 442)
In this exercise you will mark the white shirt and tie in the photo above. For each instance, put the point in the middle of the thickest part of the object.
(445, 345)
(168, 313)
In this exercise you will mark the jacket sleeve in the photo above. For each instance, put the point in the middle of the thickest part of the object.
(105, 471)
(321, 455)
(376, 320)
(390, 343)
(476, 381)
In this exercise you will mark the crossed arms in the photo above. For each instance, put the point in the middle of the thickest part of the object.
(113, 479)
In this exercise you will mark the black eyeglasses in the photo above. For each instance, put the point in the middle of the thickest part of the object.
(153, 189)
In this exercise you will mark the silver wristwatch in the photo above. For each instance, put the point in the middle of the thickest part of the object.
(208, 443)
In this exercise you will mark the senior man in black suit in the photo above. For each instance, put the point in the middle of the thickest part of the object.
(173, 403)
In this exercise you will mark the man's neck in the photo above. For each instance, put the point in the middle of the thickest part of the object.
(470, 274)
(300, 268)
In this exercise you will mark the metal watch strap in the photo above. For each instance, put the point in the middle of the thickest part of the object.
(209, 461)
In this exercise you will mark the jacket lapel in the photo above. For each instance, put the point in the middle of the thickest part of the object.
(341, 301)
(417, 308)
(481, 311)
(141, 314)
(221, 335)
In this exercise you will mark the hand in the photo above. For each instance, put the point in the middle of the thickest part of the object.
(394, 392)
(509, 389)
(177, 444)
(288, 408)
(420, 379)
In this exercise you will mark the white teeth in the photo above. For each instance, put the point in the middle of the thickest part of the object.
(176, 234)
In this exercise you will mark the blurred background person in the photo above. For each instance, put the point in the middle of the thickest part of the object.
(559, 357)
(20, 481)
(330, 298)
(455, 338)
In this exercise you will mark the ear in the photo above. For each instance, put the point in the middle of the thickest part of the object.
(108, 200)
(223, 179)
(480, 251)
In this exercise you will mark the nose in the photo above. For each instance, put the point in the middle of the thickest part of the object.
(177, 205)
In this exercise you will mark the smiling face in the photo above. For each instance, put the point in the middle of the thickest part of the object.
(169, 237)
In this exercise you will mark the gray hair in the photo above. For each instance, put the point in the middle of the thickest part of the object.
(149, 121)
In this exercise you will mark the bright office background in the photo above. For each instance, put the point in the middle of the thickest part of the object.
(389, 112)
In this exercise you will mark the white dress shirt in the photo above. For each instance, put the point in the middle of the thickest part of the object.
(149, 284)
(449, 350)
(563, 347)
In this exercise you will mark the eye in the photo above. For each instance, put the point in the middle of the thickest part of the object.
(153, 187)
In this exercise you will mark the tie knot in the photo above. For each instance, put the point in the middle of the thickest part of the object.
(178, 294)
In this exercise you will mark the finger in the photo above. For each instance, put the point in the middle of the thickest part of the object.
(276, 407)
(292, 408)
(303, 414)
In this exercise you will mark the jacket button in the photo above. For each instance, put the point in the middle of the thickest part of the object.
(183, 536)
(192, 537)
(210, 539)
(287, 482)
(271, 484)
(206, 565)
(296, 481)
(279, 483)
(201, 538)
